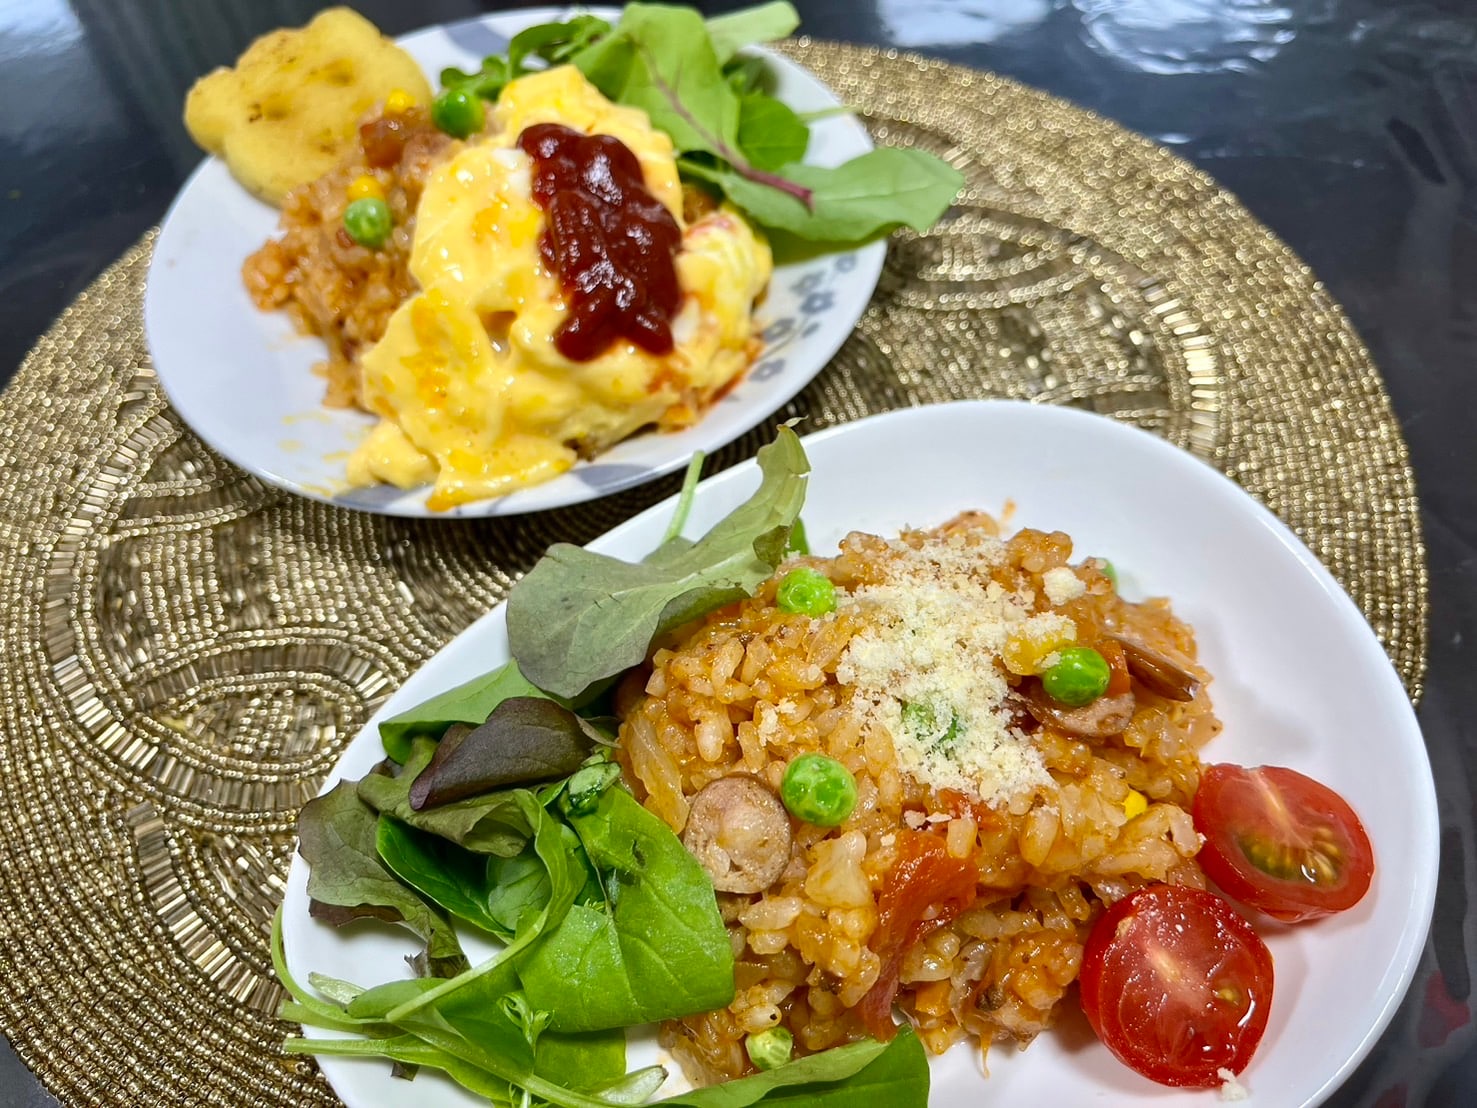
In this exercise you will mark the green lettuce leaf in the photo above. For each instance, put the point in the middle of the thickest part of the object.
(578, 618)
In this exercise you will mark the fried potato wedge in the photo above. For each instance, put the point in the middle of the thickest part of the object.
(287, 112)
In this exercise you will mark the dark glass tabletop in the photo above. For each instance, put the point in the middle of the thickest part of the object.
(1347, 126)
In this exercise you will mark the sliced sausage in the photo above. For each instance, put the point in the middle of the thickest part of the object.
(1157, 671)
(740, 832)
(1105, 716)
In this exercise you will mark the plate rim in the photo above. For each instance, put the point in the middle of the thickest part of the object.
(1408, 948)
(410, 503)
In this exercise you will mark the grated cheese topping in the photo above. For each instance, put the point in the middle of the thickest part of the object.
(1062, 585)
(926, 667)
(1231, 1089)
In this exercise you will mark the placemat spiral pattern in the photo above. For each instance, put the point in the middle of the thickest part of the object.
(187, 651)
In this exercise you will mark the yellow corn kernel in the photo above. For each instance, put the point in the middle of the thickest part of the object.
(1026, 650)
(364, 187)
(1135, 804)
(398, 102)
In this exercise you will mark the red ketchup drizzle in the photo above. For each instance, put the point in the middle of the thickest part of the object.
(611, 242)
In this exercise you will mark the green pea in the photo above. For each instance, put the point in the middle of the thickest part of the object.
(806, 592)
(368, 222)
(770, 1048)
(931, 726)
(457, 111)
(819, 790)
(1079, 677)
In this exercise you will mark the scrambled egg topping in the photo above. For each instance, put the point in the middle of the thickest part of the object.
(471, 391)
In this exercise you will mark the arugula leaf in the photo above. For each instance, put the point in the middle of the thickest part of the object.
(858, 1073)
(470, 703)
(730, 33)
(578, 617)
(770, 134)
(346, 880)
(886, 188)
(658, 949)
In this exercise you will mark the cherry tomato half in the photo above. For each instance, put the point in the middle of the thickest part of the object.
(1281, 842)
(1177, 985)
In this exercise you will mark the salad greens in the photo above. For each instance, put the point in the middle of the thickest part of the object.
(525, 739)
(498, 808)
(578, 618)
(692, 80)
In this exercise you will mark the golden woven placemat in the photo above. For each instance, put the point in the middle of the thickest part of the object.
(187, 651)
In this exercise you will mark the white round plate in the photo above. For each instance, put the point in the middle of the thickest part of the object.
(1300, 681)
(242, 378)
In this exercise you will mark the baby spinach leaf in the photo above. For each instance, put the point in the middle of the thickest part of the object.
(888, 187)
(584, 1061)
(373, 1004)
(441, 871)
(867, 1072)
(346, 880)
(469, 703)
(730, 33)
(526, 740)
(770, 134)
(567, 874)
(656, 948)
(516, 885)
(579, 617)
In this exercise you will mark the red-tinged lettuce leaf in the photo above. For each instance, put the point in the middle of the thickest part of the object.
(496, 823)
(347, 881)
(526, 740)
(470, 703)
(868, 1072)
(578, 618)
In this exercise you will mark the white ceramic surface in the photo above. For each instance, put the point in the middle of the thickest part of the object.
(242, 379)
(1300, 680)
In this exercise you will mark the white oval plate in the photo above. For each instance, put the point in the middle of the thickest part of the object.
(1300, 681)
(242, 378)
